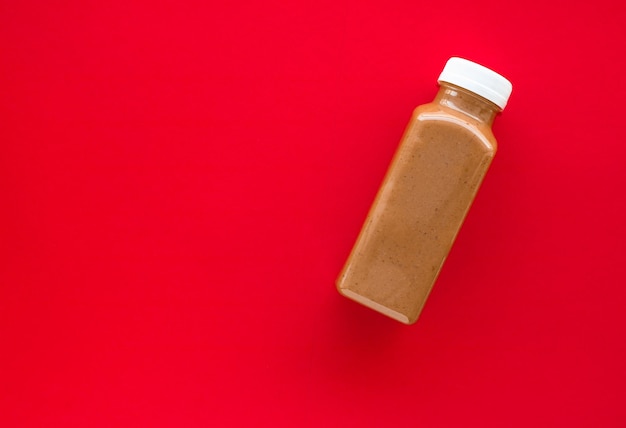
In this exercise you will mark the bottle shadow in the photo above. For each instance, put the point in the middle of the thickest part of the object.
(354, 341)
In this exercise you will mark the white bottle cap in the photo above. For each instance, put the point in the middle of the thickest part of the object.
(477, 79)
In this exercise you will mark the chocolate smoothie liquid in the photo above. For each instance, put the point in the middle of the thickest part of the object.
(431, 183)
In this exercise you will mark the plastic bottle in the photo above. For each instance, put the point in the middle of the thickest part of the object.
(433, 178)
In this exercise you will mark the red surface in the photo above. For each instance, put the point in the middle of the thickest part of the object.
(181, 183)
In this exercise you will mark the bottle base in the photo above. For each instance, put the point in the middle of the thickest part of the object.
(375, 306)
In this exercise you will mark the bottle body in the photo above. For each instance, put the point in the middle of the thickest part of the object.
(429, 187)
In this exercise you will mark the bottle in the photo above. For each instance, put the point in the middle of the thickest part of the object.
(433, 178)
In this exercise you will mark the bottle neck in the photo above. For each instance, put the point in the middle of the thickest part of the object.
(466, 102)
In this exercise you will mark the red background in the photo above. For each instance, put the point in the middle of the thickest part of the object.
(181, 183)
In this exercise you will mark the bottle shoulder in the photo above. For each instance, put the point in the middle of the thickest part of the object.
(448, 120)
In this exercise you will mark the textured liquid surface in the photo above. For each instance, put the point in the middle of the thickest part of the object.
(417, 213)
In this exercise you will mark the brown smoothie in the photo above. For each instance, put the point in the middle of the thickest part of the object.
(424, 198)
